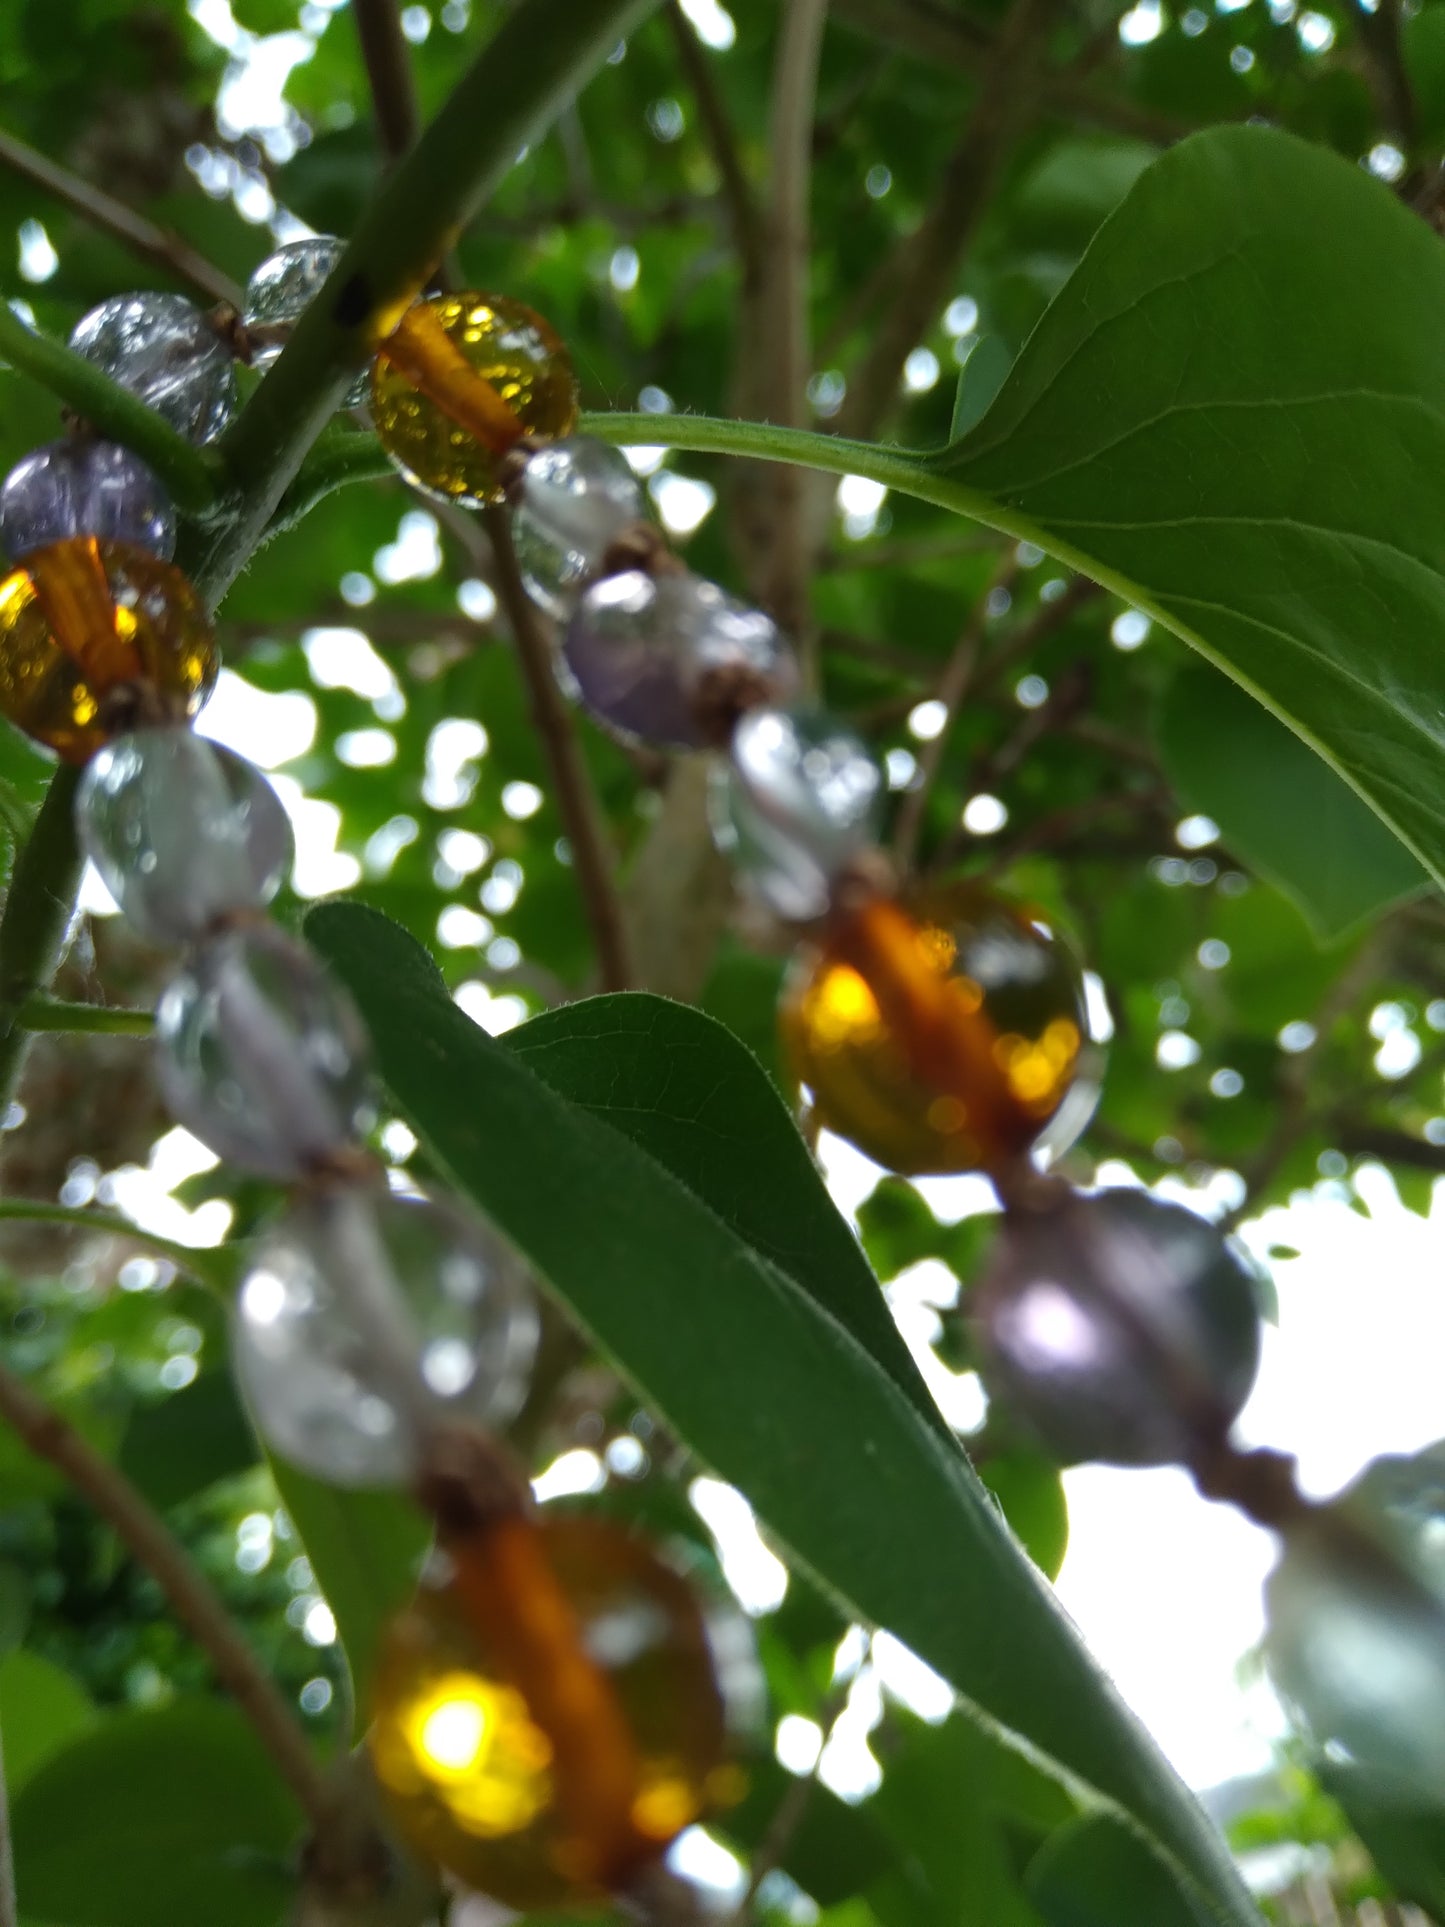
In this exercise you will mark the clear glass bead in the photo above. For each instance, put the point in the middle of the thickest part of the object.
(1117, 1327)
(799, 797)
(81, 487)
(366, 1318)
(183, 832)
(262, 1056)
(670, 659)
(283, 288)
(164, 350)
(574, 498)
(1356, 1632)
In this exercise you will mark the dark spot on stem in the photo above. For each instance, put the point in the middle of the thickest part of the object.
(353, 304)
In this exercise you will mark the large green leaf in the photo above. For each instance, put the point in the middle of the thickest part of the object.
(764, 1384)
(157, 1819)
(1077, 1879)
(42, 1709)
(1278, 805)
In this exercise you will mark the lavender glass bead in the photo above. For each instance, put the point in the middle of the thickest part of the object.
(367, 1318)
(183, 832)
(670, 659)
(1117, 1327)
(262, 1056)
(163, 349)
(283, 288)
(798, 799)
(574, 498)
(81, 487)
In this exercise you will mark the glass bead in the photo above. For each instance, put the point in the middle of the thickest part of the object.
(948, 1035)
(262, 1056)
(164, 350)
(571, 502)
(1117, 1327)
(91, 628)
(461, 380)
(670, 660)
(798, 799)
(283, 288)
(367, 1318)
(549, 1717)
(1355, 1611)
(81, 487)
(183, 832)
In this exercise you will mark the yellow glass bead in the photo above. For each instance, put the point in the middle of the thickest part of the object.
(950, 1035)
(93, 632)
(459, 382)
(549, 1716)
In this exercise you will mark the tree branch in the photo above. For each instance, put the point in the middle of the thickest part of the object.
(157, 245)
(144, 1534)
(35, 923)
(1379, 33)
(737, 192)
(388, 69)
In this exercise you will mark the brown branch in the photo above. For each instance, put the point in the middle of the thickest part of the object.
(388, 70)
(1057, 828)
(145, 1535)
(577, 804)
(1046, 621)
(1379, 34)
(737, 193)
(157, 245)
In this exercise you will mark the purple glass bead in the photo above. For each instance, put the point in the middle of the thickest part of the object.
(164, 350)
(79, 487)
(1117, 1327)
(671, 660)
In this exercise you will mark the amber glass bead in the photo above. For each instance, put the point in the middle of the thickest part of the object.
(947, 1035)
(548, 1716)
(94, 633)
(460, 382)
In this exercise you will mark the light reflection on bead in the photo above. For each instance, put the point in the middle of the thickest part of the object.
(1117, 1327)
(547, 1720)
(85, 626)
(164, 350)
(83, 487)
(671, 660)
(262, 1056)
(945, 1036)
(798, 799)
(571, 502)
(365, 1317)
(183, 832)
(460, 381)
(283, 288)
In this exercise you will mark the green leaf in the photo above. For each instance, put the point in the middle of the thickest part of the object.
(1279, 806)
(1407, 1846)
(1098, 1872)
(157, 1819)
(983, 374)
(1031, 1493)
(42, 1710)
(175, 1449)
(766, 1386)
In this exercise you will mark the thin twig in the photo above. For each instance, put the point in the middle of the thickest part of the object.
(737, 193)
(388, 70)
(145, 1535)
(1378, 28)
(35, 924)
(206, 1267)
(157, 245)
(53, 1013)
(577, 805)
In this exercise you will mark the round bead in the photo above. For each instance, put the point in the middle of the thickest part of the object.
(81, 487)
(799, 798)
(428, 415)
(571, 502)
(164, 350)
(83, 623)
(1356, 1633)
(184, 833)
(951, 1035)
(283, 288)
(367, 1317)
(669, 659)
(547, 1720)
(1117, 1327)
(262, 1056)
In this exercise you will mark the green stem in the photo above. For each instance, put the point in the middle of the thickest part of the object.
(206, 1267)
(53, 1013)
(530, 69)
(36, 919)
(189, 474)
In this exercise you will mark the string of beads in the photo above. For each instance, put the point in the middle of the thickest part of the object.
(519, 1743)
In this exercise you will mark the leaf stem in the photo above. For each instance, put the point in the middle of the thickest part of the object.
(35, 923)
(200, 1265)
(54, 1013)
(150, 1542)
(388, 68)
(188, 472)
